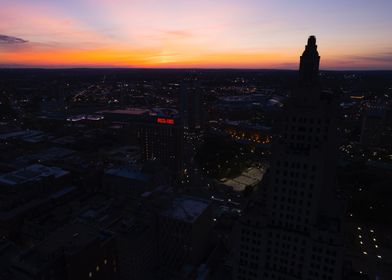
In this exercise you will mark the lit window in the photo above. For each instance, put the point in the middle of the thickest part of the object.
(90, 274)
(97, 268)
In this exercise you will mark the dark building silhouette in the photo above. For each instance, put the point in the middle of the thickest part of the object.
(136, 249)
(184, 227)
(373, 126)
(76, 251)
(292, 228)
(163, 141)
(192, 118)
(310, 62)
(159, 134)
(191, 108)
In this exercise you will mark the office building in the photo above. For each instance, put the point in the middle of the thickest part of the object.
(373, 126)
(191, 112)
(162, 141)
(184, 229)
(292, 229)
(158, 132)
(136, 241)
(76, 251)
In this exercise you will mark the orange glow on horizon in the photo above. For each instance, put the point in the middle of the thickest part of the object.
(136, 58)
(153, 58)
(121, 57)
(191, 34)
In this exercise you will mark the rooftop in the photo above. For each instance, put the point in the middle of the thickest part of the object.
(128, 173)
(30, 136)
(248, 125)
(30, 173)
(68, 240)
(151, 112)
(53, 153)
(130, 111)
(186, 208)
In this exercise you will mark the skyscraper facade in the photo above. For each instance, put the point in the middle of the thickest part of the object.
(192, 118)
(373, 126)
(191, 108)
(163, 141)
(292, 229)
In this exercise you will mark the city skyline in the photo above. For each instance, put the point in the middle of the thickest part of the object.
(193, 34)
(118, 174)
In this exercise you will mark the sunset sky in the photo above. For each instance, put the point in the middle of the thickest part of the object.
(351, 34)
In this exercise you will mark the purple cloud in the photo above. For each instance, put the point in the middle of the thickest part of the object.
(4, 39)
(378, 57)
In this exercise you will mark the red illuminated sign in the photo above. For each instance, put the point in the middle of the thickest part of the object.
(165, 121)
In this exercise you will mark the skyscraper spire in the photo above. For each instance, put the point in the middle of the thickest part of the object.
(292, 228)
(309, 64)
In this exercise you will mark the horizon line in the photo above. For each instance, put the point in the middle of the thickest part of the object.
(188, 68)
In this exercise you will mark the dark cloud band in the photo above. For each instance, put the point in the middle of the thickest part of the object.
(380, 57)
(4, 39)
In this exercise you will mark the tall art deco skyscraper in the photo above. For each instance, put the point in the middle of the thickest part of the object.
(292, 229)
